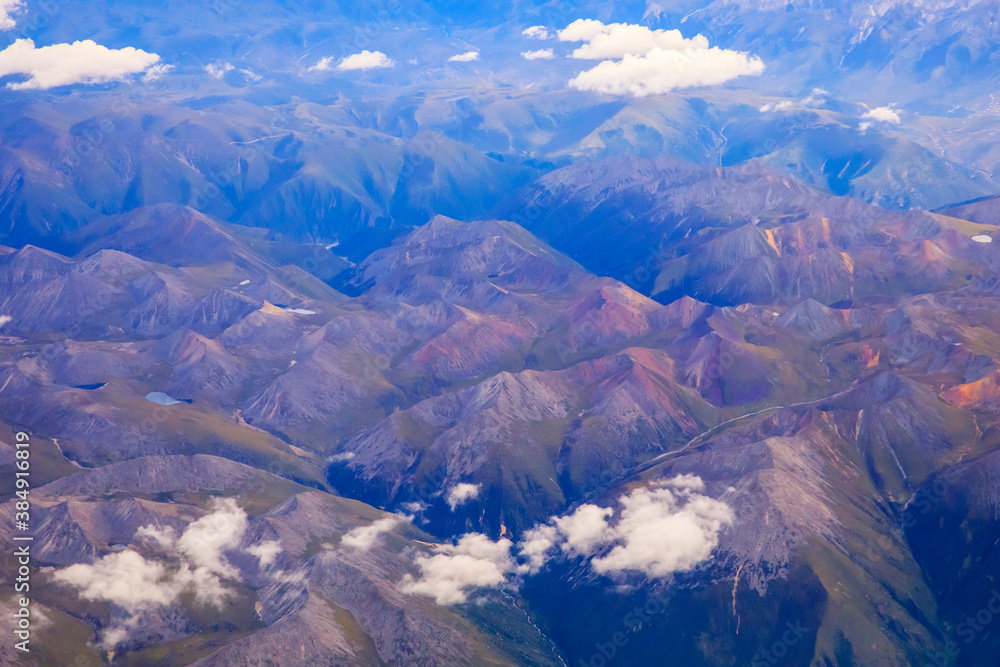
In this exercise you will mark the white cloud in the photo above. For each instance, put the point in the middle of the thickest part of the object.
(584, 529)
(540, 54)
(474, 562)
(617, 40)
(7, 10)
(661, 71)
(536, 32)
(205, 540)
(667, 528)
(209, 590)
(663, 531)
(136, 584)
(67, 64)
(115, 635)
(165, 537)
(577, 534)
(983, 239)
(535, 547)
(156, 72)
(4, 319)
(364, 60)
(583, 30)
(462, 493)
(883, 114)
(466, 57)
(639, 61)
(364, 537)
(266, 552)
(218, 69)
(784, 105)
(690, 482)
(415, 507)
(125, 579)
(816, 98)
(323, 65)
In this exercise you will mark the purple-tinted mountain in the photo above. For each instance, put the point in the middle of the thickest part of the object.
(450, 361)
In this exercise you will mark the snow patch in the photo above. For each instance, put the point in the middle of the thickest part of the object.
(297, 311)
(160, 398)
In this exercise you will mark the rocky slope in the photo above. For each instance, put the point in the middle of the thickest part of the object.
(450, 362)
(478, 380)
(291, 585)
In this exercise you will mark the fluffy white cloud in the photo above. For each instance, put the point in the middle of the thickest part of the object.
(113, 636)
(584, 529)
(67, 64)
(364, 537)
(667, 528)
(536, 32)
(7, 10)
(4, 319)
(982, 239)
(266, 552)
(462, 493)
(165, 537)
(817, 98)
(364, 60)
(540, 54)
(155, 72)
(883, 114)
(784, 105)
(689, 482)
(136, 584)
(205, 541)
(218, 69)
(415, 507)
(125, 579)
(323, 65)
(617, 40)
(661, 71)
(474, 562)
(663, 531)
(251, 76)
(535, 546)
(466, 57)
(128, 581)
(639, 61)
(576, 534)
(583, 30)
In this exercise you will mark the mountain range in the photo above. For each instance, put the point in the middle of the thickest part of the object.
(451, 359)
